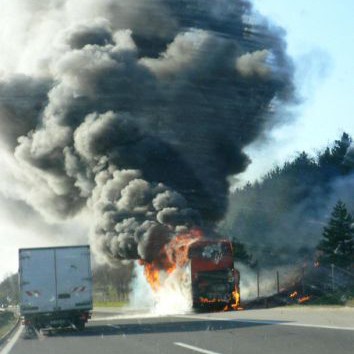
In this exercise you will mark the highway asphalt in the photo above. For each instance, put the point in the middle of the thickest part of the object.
(270, 331)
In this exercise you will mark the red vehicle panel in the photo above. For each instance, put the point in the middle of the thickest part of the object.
(215, 282)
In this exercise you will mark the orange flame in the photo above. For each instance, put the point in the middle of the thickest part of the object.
(205, 300)
(293, 295)
(177, 249)
(174, 254)
(235, 303)
(304, 299)
(152, 275)
(236, 297)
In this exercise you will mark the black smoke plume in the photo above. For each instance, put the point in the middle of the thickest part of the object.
(141, 110)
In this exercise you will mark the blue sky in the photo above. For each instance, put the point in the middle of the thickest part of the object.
(320, 37)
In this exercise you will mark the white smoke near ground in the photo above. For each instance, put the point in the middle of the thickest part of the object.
(267, 280)
(248, 281)
(141, 296)
(173, 297)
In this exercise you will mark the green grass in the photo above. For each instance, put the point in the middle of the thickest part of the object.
(109, 303)
(7, 320)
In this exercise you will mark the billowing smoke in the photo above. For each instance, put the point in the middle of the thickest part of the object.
(138, 109)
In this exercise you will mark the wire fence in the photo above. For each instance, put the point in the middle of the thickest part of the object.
(303, 281)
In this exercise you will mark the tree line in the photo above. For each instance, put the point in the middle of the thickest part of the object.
(109, 284)
(297, 211)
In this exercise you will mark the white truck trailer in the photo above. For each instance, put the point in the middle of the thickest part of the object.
(55, 286)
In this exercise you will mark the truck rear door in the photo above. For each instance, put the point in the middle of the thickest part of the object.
(37, 280)
(74, 278)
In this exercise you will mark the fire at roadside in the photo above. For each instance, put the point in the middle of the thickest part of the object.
(313, 284)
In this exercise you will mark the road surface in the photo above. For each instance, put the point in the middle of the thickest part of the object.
(273, 331)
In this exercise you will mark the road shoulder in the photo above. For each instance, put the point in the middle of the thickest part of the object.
(8, 326)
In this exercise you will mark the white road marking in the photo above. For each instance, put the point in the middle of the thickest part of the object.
(123, 317)
(9, 345)
(113, 326)
(196, 349)
(275, 322)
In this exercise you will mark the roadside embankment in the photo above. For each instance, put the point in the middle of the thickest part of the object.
(8, 321)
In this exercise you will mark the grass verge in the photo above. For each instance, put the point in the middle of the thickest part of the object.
(7, 321)
(337, 298)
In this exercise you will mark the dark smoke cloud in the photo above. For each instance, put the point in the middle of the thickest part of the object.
(149, 107)
(22, 100)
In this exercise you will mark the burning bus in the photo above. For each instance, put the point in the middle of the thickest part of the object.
(207, 265)
(215, 281)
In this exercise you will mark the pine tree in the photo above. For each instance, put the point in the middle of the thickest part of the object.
(331, 160)
(337, 245)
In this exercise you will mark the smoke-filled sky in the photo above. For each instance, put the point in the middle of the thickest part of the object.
(113, 97)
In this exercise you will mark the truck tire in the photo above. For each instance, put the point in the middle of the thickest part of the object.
(79, 324)
(29, 332)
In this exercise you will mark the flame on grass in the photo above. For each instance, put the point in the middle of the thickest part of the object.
(293, 295)
(303, 299)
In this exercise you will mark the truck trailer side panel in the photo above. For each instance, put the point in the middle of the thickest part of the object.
(74, 281)
(37, 281)
(55, 285)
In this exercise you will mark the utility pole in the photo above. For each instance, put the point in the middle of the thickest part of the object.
(332, 271)
(257, 282)
(303, 280)
(278, 287)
